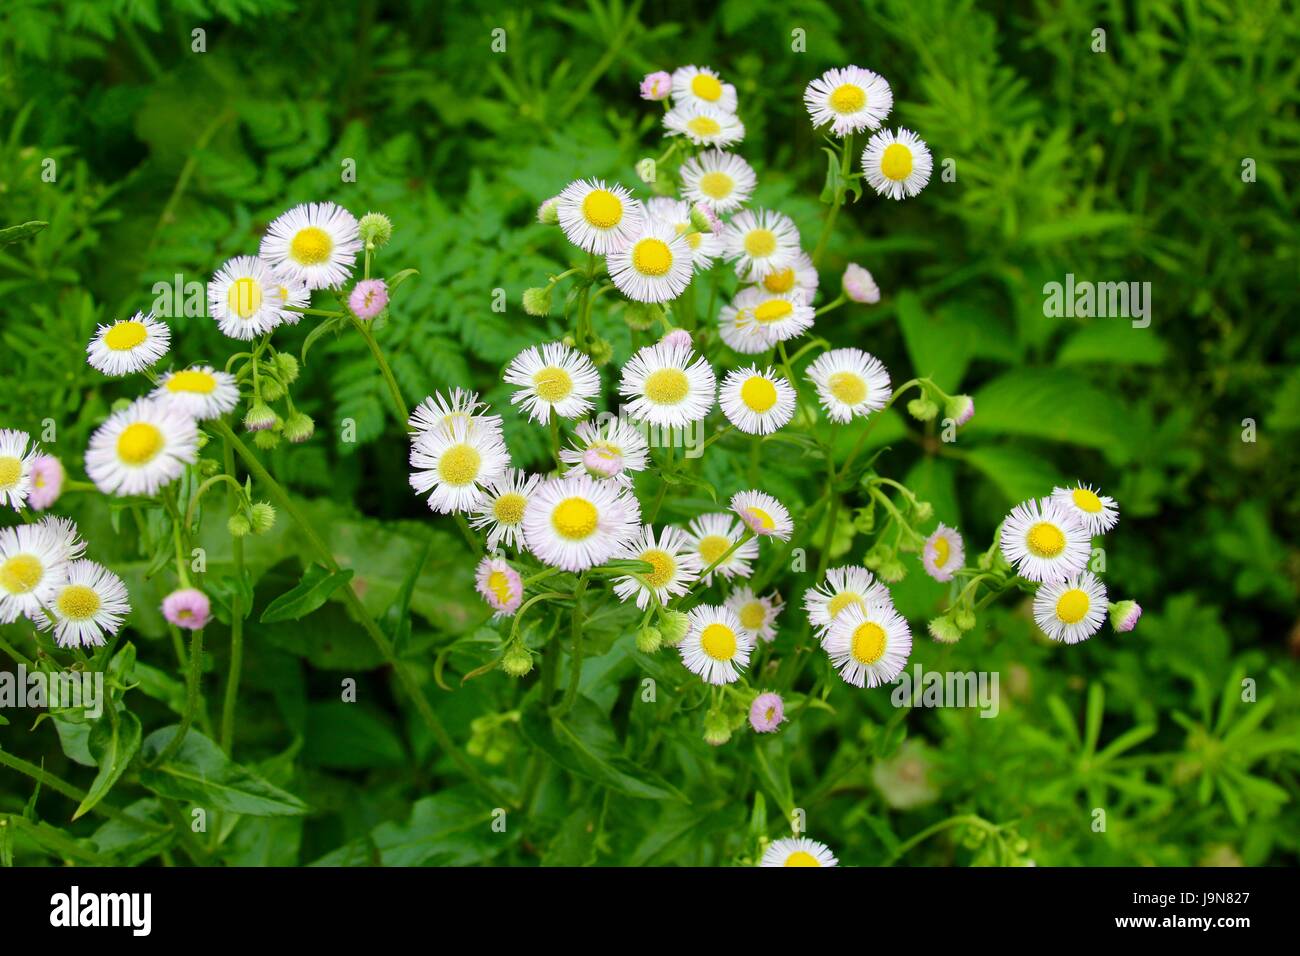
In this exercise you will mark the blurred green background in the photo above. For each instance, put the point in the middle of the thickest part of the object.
(1124, 165)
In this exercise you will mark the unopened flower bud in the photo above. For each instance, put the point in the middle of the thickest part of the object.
(287, 367)
(517, 661)
(964, 618)
(260, 417)
(922, 409)
(943, 630)
(673, 626)
(923, 510)
(717, 729)
(705, 219)
(859, 286)
(375, 229)
(369, 297)
(537, 300)
(548, 213)
(262, 517)
(649, 639)
(272, 390)
(208, 467)
(601, 352)
(677, 337)
(891, 571)
(960, 408)
(238, 526)
(298, 427)
(656, 86)
(1124, 615)
(267, 440)
(641, 315)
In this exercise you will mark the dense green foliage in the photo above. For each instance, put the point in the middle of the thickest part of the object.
(1125, 165)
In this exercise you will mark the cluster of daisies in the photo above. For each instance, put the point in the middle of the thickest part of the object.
(148, 444)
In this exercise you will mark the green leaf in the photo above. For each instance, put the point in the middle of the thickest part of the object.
(200, 774)
(1016, 472)
(114, 741)
(1112, 342)
(939, 347)
(317, 584)
(450, 828)
(20, 232)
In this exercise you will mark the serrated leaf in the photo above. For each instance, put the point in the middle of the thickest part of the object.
(315, 588)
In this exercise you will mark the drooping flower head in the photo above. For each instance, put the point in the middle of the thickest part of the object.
(859, 285)
(499, 585)
(369, 297)
(656, 86)
(46, 482)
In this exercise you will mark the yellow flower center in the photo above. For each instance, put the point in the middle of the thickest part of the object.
(758, 394)
(844, 599)
(203, 383)
(311, 246)
(459, 464)
(941, 552)
(244, 297)
(1086, 500)
(602, 209)
(704, 126)
(761, 518)
(753, 615)
(552, 384)
(1045, 540)
(760, 242)
(78, 602)
(706, 87)
(868, 643)
(1072, 606)
(667, 386)
(896, 163)
(773, 310)
(712, 547)
(693, 239)
(11, 469)
(848, 98)
(780, 281)
(21, 573)
(847, 387)
(509, 508)
(800, 858)
(125, 336)
(719, 642)
(652, 257)
(664, 567)
(139, 443)
(575, 519)
(499, 584)
(716, 185)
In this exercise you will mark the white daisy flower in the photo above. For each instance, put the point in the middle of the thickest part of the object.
(455, 463)
(712, 536)
(758, 403)
(554, 378)
(1096, 512)
(704, 246)
(676, 566)
(798, 851)
(760, 242)
(245, 299)
(772, 317)
(704, 125)
(849, 382)
(869, 644)
(315, 244)
(461, 405)
(597, 217)
(141, 448)
(89, 602)
(66, 533)
(851, 99)
(608, 448)
(655, 265)
(897, 164)
(799, 277)
(128, 345)
(577, 522)
(293, 292)
(763, 514)
(1045, 541)
(846, 587)
(502, 509)
(1071, 610)
(699, 84)
(722, 180)
(33, 565)
(666, 387)
(15, 467)
(716, 647)
(943, 554)
(757, 615)
(200, 392)
(737, 328)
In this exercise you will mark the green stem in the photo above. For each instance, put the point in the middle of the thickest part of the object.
(236, 611)
(399, 403)
(846, 152)
(191, 698)
(965, 819)
(358, 610)
(575, 667)
(470, 537)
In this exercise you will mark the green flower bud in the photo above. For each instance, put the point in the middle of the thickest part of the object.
(1124, 615)
(964, 618)
(923, 510)
(475, 746)
(272, 391)
(648, 640)
(266, 441)
(260, 417)
(548, 213)
(238, 526)
(375, 229)
(943, 630)
(601, 352)
(673, 626)
(298, 427)
(641, 315)
(922, 409)
(262, 517)
(208, 467)
(517, 661)
(892, 571)
(717, 729)
(960, 408)
(864, 520)
(876, 556)
(287, 367)
(537, 300)
(203, 440)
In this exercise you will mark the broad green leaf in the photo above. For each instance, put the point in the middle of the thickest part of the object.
(1112, 342)
(450, 828)
(1017, 472)
(940, 348)
(313, 590)
(114, 742)
(20, 232)
(200, 774)
(350, 737)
